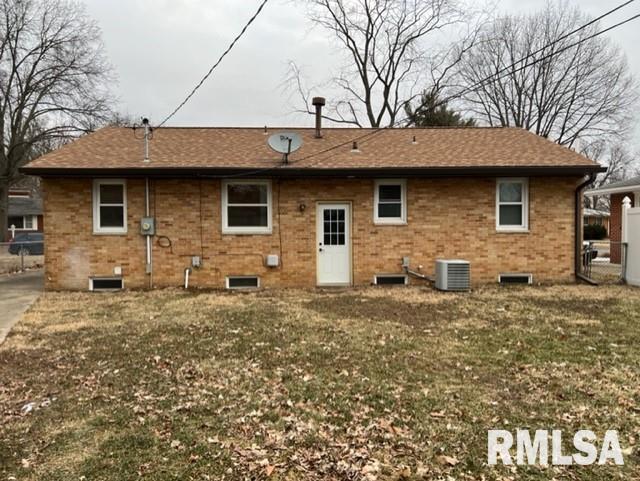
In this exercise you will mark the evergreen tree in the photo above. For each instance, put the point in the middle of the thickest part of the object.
(432, 112)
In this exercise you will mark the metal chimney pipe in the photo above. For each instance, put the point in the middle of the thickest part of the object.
(145, 122)
(319, 102)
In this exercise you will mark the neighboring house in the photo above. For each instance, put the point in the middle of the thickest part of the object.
(25, 208)
(596, 217)
(617, 191)
(337, 213)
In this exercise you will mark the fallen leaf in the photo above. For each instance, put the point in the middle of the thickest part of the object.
(447, 460)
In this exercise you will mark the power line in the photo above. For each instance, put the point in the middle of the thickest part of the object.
(542, 49)
(491, 77)
(549, 55)
(215, 65)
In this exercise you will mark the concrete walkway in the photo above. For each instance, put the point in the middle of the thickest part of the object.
(17, 293)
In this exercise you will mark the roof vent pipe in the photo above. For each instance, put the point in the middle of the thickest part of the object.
(147, 130)
(318, 102)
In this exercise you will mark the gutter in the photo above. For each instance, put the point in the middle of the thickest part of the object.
(578, 233)
(612, 190)
(280, 171)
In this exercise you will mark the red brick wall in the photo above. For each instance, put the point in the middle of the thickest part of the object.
(447, 218)
(615, 232)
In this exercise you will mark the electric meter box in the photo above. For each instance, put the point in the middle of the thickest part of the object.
(148, 226)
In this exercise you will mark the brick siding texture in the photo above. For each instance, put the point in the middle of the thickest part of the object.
(447, 218)
(615, 233)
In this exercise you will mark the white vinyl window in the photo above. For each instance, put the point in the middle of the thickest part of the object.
(23, 222)
(512, 205)
(109, 206)
(246, 207)
(390, 202)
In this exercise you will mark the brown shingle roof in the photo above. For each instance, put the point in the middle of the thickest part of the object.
(246, 148)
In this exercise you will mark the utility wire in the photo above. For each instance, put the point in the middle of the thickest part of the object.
(215, 65)
(492, 77)
(545, 47)
(545, 57)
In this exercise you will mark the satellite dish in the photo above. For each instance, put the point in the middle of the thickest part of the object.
(285, 143)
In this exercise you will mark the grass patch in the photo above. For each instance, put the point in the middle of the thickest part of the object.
(359, 384)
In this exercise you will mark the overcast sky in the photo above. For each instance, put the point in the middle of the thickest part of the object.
(161, 48)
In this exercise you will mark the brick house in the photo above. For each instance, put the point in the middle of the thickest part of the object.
(617, 191)
(226, 210)
(596, 217)
(25, 208)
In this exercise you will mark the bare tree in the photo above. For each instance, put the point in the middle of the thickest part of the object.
(387, 59)
(53, 81)
(578, 94)
(620, 163)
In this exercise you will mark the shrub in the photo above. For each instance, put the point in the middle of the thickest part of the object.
(594, 232)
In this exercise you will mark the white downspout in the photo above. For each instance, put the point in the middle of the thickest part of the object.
(187, 271)
(149, 268)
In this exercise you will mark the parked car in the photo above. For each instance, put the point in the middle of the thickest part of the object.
(27, 244)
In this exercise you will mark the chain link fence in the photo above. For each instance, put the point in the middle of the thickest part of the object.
(20, 255)
(604, 260)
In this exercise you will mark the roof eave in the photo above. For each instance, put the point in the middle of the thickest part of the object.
(613, 190)
(289, 171)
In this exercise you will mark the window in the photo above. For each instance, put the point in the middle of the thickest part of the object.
(19, 194)
(246, 207)
(243, 282)
(390, 279)
(334, 227)
(515, 278)
(23, 222)
(390, 202)
(109, 207)
(106, 283)
(512, 199)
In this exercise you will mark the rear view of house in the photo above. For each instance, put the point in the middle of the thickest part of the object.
(350, 207)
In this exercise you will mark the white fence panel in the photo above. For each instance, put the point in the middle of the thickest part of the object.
(631, 235)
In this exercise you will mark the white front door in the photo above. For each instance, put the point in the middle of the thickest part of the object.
(333, 244)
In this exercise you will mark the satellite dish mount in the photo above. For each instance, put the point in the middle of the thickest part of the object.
(285, 143)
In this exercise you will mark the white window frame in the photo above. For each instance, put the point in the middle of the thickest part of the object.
(528, 276)
(402, 220)
(379, 276)
(96, 207)
(228, 286)
(226, 229)
(524, 227)
(34, 222)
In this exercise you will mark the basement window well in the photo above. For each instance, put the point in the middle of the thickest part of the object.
(106, 284)
(243, 282)
(390, 280)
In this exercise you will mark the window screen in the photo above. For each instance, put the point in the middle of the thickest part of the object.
(512, 204)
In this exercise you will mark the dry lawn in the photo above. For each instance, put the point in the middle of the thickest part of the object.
(398, 383)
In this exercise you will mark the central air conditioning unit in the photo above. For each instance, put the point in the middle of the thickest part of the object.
(453, 275)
